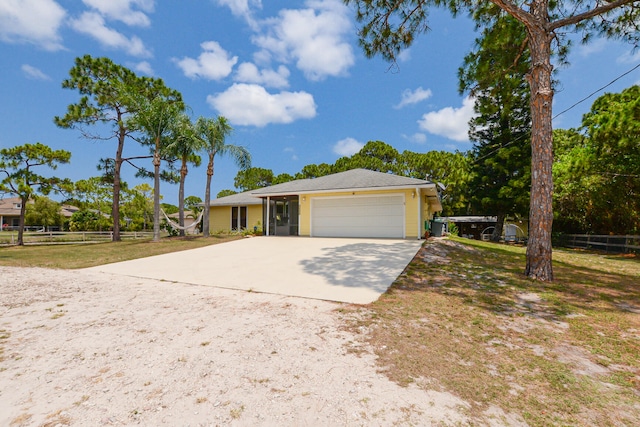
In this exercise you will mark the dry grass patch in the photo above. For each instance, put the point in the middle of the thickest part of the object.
(90, 255)
(462, 318)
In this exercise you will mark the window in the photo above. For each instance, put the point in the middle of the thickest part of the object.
(238, 217)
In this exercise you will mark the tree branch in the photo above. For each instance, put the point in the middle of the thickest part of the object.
(520, 14)
(571, 20)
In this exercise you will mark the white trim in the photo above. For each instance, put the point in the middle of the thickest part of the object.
(418, 199)
(268, 219)
(404, 207)
(343, 190)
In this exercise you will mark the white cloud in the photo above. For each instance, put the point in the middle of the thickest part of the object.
(93, 24)
(34, 73)
(410, 97)
(214, 63)
(242, 8)
(592, 48)
(418, 138)
(144, 67)
(294, 156)
(32, 21)
(251, 105)
(452, 123)
(347, 147)
(404, 55)
(628, 58)
(122, 10)
(249, 73)
(314, 38)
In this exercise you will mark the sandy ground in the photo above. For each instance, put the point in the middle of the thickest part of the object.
(84, 349)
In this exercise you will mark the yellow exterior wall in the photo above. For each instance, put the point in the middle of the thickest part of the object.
(220, 218)
(410, 212)
(254, 216)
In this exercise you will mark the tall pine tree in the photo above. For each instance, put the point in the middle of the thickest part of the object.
(501, 157)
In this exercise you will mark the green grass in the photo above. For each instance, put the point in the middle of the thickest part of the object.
(464, 319)
(88, 255)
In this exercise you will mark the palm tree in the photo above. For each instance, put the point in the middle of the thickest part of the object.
(184, 147)
(157, 119)
(212, 133)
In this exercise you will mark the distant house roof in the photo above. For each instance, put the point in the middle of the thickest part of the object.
(240, 199)
(68, 210)
(476, 218)
(355, 179)
(8, 206)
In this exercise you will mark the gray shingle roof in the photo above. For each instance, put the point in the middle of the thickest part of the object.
(352, 179)
(240, 199)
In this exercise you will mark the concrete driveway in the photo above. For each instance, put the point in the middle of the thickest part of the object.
(345, 270)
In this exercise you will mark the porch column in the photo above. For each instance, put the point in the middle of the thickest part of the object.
(267, 220)
(419, 197)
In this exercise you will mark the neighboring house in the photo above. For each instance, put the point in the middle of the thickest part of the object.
(481, 227)
(10, 212)
(188, 221)
(355, 203)
(473, 227)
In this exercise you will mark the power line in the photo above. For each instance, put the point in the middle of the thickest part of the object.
(563, 111)
(597, 90)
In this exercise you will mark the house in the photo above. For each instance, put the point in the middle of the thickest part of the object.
(473, 227)
(481, 227)
(235, 212)
(189, 220)
(355, 203)
(10, 212)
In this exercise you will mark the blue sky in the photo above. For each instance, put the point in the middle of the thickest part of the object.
(289, 76)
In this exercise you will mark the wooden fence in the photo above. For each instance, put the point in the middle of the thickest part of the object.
(606, 243)
(68, 237)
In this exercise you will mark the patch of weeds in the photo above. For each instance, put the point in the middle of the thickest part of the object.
(4, 336)
(83, 399)
(255, 381)
(58, 418)
(205, 343)
(201, 400)
(58, 315)
(236, 413)
(21, 420)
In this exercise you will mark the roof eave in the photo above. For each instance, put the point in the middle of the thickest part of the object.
(345, 190)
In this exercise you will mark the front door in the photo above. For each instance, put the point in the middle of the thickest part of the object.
(283, 213)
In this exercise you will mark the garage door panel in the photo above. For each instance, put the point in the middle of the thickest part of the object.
(365, 216)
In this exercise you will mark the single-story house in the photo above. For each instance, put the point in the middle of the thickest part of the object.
(481, 227)
(473, 226)
(189, 220)
(355, 203)
(10, 212)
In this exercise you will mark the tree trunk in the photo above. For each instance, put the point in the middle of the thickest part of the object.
(207, 198)
(115, 208)
(539, 251)
(156, 194)
(183, 177)
(23, 210)
(497, 231)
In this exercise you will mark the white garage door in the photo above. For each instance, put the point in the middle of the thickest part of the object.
(361, 216)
